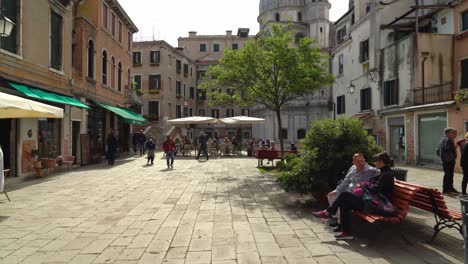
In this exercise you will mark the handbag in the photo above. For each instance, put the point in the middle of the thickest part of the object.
(377, 204)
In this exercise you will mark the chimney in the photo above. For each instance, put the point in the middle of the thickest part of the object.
(192, 34)
(229, 33)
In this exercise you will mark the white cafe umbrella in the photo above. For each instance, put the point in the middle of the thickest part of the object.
(241, 120)
(193, 120)
(12, 106)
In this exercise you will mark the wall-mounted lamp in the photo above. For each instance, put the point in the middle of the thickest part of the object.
(6, 25)
(351, 88)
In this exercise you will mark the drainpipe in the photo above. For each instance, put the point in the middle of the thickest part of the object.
(423, 73)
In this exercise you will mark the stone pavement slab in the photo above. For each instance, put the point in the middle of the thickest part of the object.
(222, 211)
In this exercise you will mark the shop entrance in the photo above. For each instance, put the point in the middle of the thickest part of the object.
(76, 140)
(5, 142)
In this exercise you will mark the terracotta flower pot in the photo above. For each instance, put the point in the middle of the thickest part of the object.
(49, 163)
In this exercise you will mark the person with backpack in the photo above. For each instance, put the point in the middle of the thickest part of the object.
(371, 197)
(463, 144)
(447, 151)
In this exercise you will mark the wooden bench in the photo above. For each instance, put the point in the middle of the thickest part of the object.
(432, 200)
(401, 198)
(261, 154)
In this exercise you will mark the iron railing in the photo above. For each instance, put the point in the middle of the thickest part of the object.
(434, 94)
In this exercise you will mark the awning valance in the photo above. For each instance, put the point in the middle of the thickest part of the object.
(12, 106)
(40, 94)
(129, 116)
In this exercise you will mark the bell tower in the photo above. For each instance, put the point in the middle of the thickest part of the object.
(317, 16)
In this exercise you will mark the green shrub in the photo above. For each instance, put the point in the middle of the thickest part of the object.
(328, 150)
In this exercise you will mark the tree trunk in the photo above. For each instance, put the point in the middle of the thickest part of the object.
(280, 132)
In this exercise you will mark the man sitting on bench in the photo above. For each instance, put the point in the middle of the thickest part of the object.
(359, 173)
(372, 197)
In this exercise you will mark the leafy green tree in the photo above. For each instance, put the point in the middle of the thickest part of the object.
(271, 70)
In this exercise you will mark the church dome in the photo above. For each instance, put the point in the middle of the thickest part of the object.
(267, 5)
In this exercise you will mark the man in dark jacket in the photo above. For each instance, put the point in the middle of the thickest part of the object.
(447, 151)
(142, 142)
(111, 148)
(202, 141)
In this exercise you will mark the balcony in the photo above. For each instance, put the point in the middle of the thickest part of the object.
(132, 97)
(434, 94)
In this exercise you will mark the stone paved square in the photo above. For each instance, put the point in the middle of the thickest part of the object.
(222, 211)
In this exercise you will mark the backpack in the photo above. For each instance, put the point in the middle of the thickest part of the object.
(377, 204)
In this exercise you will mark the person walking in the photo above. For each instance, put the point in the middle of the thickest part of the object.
(135, 142)
(169, 148)
(142, 142)
(151, 148)
(111, 148)
(464, 161)
(447, 151)
(202, 141)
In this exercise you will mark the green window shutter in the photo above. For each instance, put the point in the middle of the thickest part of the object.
(56, 41)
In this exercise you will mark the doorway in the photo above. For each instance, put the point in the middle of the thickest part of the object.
(5, 142)
(397, 138)
(431, 130)
(76, 140)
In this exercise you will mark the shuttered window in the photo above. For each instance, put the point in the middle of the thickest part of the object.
(55, 41)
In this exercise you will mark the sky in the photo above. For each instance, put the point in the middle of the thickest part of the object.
(170, 19)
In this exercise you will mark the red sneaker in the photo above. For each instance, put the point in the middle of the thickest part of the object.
(343, 236)
(321, 214)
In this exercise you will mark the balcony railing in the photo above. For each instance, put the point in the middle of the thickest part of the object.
(133, 97)
(434, 94)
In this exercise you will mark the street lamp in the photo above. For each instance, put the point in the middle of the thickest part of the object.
(351, 88)
(6, 25)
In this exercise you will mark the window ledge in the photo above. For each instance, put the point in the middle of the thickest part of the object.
(61, 72)
(155, 63)
(91, 80)
(136, 64)
(6, 52)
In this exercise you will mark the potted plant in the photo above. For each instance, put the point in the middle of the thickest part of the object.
(461, 96)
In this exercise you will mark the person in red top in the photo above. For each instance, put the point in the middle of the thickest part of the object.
(169, 148)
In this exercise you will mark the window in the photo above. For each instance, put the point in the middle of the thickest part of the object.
(277, 17)
(215, 47)
(120, 31)
(153, 110)
(170, 60)
(201, 75)
(340, 105)
(137, 58)
(341, 35)
(112, 72)
(137, 81)
(340, 64)
(91, 59)
(178, 89)
(298, 37)
(186, 111)
(105, 11)
(55, 41)
(178, 110)
(284, 133)
(364, 51)
(155, 57)
(186, 69)
(154, 82)
(104, 67)
(129, 41)
(301, 133)
(119, 77)
(299, 16)
(10, 10)
(215, 113)
(464, 21)
(192, 92)
(229, 112)
(185, 90)
(169, 79)
(190, 111)
(178, 66)
(366, 99)
(464, 74)
(201, 112)
(390, 93)
(203, 47)
(368, 7)
(113, 24)
(235, 46)
(245, 112)
(201, 94)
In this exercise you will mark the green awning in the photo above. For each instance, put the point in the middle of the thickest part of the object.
(129, 117)
(47, 96)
